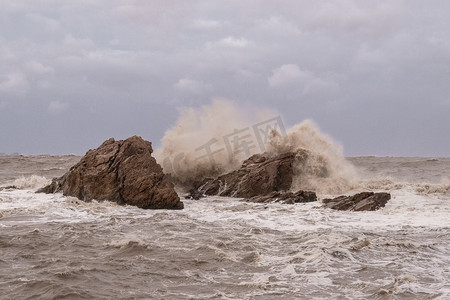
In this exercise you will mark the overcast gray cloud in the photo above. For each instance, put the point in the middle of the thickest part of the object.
(375, 75)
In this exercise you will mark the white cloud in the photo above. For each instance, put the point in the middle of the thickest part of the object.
(43, 84)
(39, 68)
(193, 86)
(56, 107)
(14, 82)
(230, 42)
(115, 42)
(129, 11)
(290, 75)
(13, 6)
(277, 25)
(260, 52)
(7, 54)
(48, 23)
(74, 44)
(287, 74)
(155, 11)
(352, 16)
(246, 75)
(206, 24)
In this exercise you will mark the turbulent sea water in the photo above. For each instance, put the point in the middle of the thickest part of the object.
(56, 247)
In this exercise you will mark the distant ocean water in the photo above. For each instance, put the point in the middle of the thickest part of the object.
(219, 248)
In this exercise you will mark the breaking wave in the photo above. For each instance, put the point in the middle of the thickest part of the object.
(217, 138)
(211, 128)
(325, 169)
(29, 183)
(441, 190)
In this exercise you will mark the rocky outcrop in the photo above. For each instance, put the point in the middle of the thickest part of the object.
(365, 201)
(262, 178)
(286, 198)
(121, 171)
(265, 178)
(259, 175)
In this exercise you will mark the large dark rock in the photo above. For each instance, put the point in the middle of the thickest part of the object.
(365, 201)
(259, 175)
(121, 171)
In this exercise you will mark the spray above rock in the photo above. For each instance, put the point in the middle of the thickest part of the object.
(216, 139)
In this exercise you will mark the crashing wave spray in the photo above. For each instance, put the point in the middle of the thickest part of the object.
(32, 182)
(217, 138)
(203, 142)
(325, 169)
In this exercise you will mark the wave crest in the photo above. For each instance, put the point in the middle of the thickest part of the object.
(32, 182)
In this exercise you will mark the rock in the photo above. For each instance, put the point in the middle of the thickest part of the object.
(259, 175)
(53, 187)
(287, 197)
(207, 186)
(9, 187)
(305, 197)
(120, 171)
(194, 194)
(365, 201)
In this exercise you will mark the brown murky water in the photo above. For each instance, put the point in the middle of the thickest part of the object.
(216, 248)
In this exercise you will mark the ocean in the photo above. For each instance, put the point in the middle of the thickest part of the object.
(57, 247)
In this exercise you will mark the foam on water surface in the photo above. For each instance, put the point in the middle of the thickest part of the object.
(225, 248)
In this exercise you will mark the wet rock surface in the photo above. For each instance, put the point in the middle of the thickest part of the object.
(9, 187)
(194, 194)
(265, 178)
(365, 201)
(286, 198)
(259, 175)
(121, 171)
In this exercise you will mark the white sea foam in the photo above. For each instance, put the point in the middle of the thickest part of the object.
(259, 250)
(58, 208)
(128, 241)
(408, 207)
(29, 183)
(299, 246)
(325, 171)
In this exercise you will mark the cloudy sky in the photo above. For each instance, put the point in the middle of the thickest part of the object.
(374, 75)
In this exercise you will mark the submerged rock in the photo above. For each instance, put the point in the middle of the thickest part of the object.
(287, 197)
(9, 187)
(194, 194)
(365, 201)
(120, 171)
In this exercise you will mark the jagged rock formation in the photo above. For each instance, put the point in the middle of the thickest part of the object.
(121, 171)
(261, 178)
(266, 178)
(365, 201)
(259, 175)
